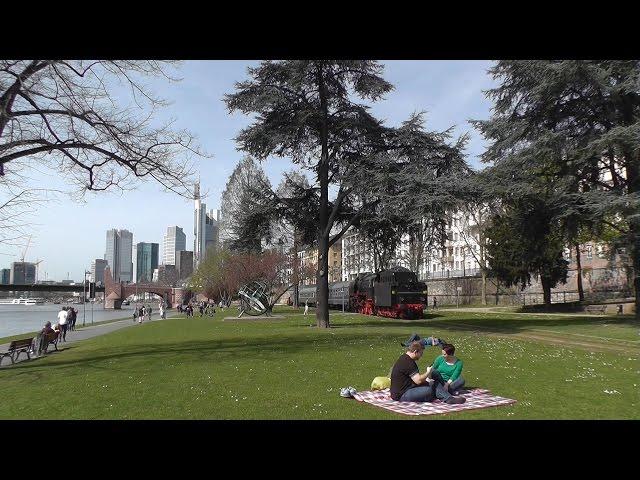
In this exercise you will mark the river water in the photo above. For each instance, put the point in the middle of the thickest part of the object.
(18, 319)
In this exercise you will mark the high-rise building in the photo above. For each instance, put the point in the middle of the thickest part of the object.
(174, 241)
(167, 275)
(205, 229)
(118, 254)
(5, 276)
(97, 270)
(22, 273)
(184, 264)
(134, 259)
(147, 261)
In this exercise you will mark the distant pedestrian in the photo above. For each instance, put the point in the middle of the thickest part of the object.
(135, 314)
(70, 319)
(147, 311)
(140, 314)
(63, 318)
(306, 308)
(435, 304)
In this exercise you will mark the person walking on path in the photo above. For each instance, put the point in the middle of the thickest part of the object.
(135, 314)
(63, 319)
(435, 304)
(72, 319)
(306, 308)
(140, 314)
(147, 310)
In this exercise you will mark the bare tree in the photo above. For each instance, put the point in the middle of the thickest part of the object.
(68, 117)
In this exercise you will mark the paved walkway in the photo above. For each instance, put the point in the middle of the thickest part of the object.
(510, 311)
(77, 336)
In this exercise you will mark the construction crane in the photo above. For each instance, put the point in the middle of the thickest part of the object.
(24, 254)
(38, 262)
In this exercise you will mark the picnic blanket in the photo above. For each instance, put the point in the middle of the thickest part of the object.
(476, 398)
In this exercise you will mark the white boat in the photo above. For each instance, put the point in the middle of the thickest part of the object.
(22, 301)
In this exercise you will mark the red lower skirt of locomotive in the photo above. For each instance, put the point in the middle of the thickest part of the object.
(399, 310)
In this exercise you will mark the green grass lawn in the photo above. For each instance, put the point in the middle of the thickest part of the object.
(555, 367)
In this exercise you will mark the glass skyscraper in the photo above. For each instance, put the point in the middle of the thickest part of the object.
(118, 254)
(205, 229)
(146, 261)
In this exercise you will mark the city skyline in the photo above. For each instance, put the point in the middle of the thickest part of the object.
(68, 235)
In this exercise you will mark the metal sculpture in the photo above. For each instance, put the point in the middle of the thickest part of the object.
(254, 299)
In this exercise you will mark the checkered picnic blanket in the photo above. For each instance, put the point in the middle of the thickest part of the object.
(476, 398)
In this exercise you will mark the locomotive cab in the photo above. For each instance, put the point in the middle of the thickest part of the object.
(398, 293)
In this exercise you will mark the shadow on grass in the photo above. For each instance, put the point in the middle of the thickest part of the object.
(258, 349)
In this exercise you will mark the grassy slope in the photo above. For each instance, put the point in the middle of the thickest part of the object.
(285, 369)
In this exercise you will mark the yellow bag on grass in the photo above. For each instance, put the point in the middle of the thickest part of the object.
(380, 383)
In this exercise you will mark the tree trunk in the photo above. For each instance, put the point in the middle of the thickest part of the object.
(322, 274)
(579, 272)
(546, 289)
(635, 252)
(296, 270)
(322, 282)
(484, 286)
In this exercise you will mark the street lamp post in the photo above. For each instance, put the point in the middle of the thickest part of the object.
(84, 299)
(84, 295)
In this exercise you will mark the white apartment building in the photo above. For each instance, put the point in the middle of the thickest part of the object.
(357, 255)
(459, 257)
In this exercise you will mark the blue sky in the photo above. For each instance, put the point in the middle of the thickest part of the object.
(67, 234)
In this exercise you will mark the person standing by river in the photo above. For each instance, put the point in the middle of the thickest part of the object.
(63, 319)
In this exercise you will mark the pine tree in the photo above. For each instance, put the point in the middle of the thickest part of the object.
(305, 110)
(576, 121)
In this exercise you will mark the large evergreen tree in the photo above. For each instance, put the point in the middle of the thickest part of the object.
(522, 241)
(306, 110)
(579, 121)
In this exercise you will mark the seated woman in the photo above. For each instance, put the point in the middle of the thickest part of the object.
(42, 338)
(447, 373)
(427, 342)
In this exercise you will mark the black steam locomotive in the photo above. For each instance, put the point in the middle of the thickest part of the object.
(394, 293)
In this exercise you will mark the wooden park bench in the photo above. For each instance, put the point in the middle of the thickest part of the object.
(596, 308)
(16, 348)
(51, 338)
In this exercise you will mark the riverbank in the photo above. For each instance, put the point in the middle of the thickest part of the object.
(18, 320)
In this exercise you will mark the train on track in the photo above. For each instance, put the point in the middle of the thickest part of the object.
(393, 293)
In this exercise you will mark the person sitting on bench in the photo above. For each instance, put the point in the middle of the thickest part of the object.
(42, 338)
(426, 342)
